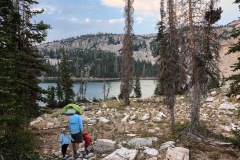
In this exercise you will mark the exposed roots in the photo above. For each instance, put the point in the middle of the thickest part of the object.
(186, 133)
(204, 143)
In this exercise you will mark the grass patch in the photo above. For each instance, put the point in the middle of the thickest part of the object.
(215, 155)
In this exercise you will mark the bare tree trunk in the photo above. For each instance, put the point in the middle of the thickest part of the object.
(127, 59)
(196, 91)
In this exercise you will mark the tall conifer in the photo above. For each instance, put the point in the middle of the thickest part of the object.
(66, 83)
(19, 90)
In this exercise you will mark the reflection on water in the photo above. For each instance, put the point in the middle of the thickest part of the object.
(95, 89)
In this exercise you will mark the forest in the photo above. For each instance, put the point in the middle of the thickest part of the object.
(95, 64)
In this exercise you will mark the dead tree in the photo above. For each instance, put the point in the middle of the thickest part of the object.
(201, 56)
(127, 53)
(168, 56)
(106, 90)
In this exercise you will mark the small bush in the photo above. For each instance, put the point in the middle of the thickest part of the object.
(180, 127)
(214, 155)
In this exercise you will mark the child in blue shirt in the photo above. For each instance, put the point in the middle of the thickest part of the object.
(65, 139)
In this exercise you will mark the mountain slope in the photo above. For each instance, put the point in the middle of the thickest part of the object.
(144, 45)
(227, 41)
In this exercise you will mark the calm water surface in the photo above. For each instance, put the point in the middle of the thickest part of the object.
(95, 89)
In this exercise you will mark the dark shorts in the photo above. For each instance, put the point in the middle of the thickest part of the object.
(77, 137)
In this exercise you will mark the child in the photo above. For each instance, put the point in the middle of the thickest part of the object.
(87, 141)
(65, 140)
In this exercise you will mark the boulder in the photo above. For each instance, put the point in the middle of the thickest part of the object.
(228, 106)
(139, 142)
(122, 154)
(177, 153)
(104, 145)
(209, 99)
(165, 145)
(151, 152)
(50, 125)
(103, 120)
(125, 118)
(145, 117)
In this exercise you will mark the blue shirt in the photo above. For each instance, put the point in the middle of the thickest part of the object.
(65, 138)
(75, 124)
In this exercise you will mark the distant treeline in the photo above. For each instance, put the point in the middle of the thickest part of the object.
(94, 63)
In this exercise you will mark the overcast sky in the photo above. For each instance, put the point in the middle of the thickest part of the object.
(71, 18)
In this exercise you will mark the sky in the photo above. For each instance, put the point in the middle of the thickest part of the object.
(71, 18)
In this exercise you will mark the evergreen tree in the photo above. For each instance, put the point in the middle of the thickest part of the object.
(137, 88)
(19, 90)
(211, 45)
(127, 59)
(235, 78)
(162, 43)
(51, 98)
(168, 57)
(65, 81)
(59, 90)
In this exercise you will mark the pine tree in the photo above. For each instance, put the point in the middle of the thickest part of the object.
(19, 89)
(59, 90)
(65, 81)
(162, 43)
(211, 45)
(137, 88)
(51, 102)
(168, 57)
(235, 78)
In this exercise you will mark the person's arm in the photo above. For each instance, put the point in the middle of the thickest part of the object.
(61, 138)
(80, 123)
(68, 123)
(70, 137)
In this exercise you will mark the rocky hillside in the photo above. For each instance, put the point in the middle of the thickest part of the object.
(226, 41)
(144, 45)
(142, 132)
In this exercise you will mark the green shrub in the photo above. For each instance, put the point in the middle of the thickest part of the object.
(214, 155)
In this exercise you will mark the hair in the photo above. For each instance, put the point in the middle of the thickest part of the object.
(77, 112)
(63, 129)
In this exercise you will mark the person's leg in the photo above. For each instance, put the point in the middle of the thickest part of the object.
(86, 150)
(73, 143)
(64, 149)
(74, 148)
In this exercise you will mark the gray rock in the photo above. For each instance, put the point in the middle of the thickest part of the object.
(165, 145)
(139, 142)
(122, 154)
(104, 145)
(228, 106)
(177, 153)
(151, 151)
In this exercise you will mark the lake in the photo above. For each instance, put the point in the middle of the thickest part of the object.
(95, 88)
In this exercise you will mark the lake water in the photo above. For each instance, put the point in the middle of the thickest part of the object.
(95, 89)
